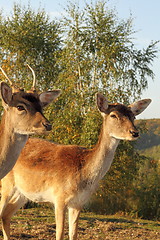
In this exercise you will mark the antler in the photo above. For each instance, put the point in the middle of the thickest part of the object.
(11, 83)
(6, 76)
(34, 78)
(33, 88)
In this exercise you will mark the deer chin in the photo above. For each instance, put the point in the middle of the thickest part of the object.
(31, 131)
(128, 138)
(131, 138)
(20, 132)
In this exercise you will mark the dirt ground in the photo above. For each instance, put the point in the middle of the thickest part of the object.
(40, 225)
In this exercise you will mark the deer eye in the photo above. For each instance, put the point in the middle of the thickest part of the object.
(113, 116)
(20, 108)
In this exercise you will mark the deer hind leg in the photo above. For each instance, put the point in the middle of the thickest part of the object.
(73, 222)
(60, 210)
(8, 208)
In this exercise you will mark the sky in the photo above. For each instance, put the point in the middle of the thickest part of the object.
(146, 23)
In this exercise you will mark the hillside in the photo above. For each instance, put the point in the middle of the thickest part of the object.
(153, 152)
(149, 141)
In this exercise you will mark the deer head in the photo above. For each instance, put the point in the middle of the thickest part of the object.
(24, 108)
(119, 118)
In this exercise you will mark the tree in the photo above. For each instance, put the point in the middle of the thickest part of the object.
(145, 200)
(29, 37)
(97, 55)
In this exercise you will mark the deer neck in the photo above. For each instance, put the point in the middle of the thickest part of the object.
(11, 144)
(102, 155)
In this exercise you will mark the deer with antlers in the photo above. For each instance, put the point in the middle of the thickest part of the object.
(66, 175)
(22, 116)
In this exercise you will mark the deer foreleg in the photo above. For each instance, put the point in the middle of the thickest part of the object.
(73, 223)
(60, 210)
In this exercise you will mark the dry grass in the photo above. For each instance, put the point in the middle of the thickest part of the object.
(39, 223)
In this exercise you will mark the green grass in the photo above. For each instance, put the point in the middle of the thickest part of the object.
(39, 223)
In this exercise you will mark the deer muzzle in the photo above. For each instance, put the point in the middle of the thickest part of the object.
(134, 133)
(47, 126)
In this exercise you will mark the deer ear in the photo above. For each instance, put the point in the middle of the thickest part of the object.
(6, 93)
(139, 106)
(47, 97)
(102, 103)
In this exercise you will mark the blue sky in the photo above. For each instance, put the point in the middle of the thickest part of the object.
(146, 24)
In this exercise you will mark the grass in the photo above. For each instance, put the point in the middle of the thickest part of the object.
(39, 224)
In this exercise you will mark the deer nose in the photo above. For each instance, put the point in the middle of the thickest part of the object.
(47, 125)
(134, 133)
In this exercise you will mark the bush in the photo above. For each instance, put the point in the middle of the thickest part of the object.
(146, 195)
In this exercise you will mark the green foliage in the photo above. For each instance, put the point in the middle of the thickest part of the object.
(29, 37)
(153, 152)
(146, 196)
(151, 136)
(91, 128)
(102, 55)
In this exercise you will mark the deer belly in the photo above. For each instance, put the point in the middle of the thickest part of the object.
(43, 196)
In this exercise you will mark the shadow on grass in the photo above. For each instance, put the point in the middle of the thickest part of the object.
(120, 222)
(107, 219)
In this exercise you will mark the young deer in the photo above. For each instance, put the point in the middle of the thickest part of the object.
(66, 175)
(22, 116)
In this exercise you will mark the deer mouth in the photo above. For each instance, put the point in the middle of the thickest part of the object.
(134, 134)
(40, 131)
(47, 126)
